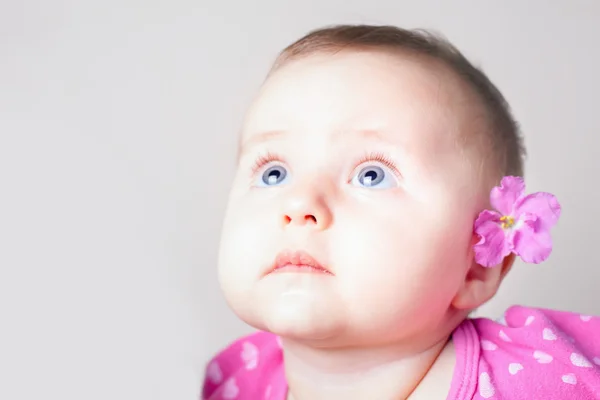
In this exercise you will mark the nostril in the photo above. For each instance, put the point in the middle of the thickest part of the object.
(308, 218)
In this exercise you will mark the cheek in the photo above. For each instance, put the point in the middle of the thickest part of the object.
(246, 246)
(404, 258)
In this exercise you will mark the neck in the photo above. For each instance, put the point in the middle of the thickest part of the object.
(385, 372)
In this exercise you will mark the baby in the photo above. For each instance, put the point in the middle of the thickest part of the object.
(360, 234)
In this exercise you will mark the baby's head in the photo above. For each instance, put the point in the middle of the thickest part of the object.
(372, 150)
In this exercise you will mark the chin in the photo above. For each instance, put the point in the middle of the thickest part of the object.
(304, 328)
(296, 316)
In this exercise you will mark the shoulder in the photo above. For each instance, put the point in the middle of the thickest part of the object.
(535, 352)
(245, 369)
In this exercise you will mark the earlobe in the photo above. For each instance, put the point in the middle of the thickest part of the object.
(506, 265)
(481, 284)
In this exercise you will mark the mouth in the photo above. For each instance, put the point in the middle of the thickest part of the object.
(298, 262)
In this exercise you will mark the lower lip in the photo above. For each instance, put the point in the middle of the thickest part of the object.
(305, 269)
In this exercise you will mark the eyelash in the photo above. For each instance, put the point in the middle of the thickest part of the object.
(267, 158)
(263, 160)
(381, 158)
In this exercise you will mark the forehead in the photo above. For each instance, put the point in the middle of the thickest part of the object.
(411, 98)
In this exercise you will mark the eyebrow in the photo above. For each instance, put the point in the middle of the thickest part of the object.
(261, 137)
(257, 139)
(366, 133)
(275, 134)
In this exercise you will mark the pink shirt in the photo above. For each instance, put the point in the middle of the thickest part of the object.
(532, 354)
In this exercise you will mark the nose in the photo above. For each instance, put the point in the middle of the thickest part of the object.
(307, 206)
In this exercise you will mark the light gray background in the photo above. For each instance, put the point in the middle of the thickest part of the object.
(118, 125)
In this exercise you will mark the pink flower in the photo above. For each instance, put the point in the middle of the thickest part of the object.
(521, 225)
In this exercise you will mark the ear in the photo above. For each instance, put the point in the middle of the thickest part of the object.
(481, 284)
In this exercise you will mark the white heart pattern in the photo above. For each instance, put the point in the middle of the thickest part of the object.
(487, 345)
(249, 355)
(486, 389)
(548, 334)
(597, 360)
(504, 336)
(585, 318)
(268, 392)
(571, 379)
(230, 389)
(214, 373)
(580, 361)
(542, 358)
(514, 368)
(529, 320)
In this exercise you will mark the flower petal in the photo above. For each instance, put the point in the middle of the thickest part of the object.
(493, 245)
(531, 241)
(504, 197)
(543, 205)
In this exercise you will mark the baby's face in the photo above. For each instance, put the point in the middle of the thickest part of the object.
(357, 160)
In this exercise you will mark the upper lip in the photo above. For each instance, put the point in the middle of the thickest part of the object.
(297, 257)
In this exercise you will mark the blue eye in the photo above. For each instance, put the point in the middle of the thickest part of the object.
(273, 176)
(373, 176)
